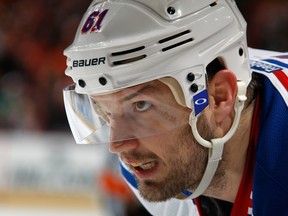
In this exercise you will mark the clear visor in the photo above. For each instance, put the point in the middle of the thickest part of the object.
(137, 112)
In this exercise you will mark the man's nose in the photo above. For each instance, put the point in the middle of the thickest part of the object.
(118, 147)
(121, 136)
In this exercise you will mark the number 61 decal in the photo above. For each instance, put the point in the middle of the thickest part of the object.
(93, 22)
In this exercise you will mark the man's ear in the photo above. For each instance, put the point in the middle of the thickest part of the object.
(222, 91)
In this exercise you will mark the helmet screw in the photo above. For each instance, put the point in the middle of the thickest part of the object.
(81, 83)
(103, 81)
(194, 87)
(171, 10)
(191, 77)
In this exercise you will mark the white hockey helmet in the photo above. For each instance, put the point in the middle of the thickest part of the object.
(123, 43)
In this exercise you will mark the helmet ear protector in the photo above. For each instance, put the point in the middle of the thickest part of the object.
(121, 44)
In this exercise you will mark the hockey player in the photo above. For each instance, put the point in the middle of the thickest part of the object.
(168, 85)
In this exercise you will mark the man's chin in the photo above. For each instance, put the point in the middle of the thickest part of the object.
(153, 192)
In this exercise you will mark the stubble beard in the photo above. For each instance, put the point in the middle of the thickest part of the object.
(187, 165)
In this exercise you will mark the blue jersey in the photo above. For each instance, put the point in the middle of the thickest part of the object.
(268, 194)
(270, 186)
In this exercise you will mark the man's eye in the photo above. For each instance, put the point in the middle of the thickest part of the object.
(142, 105)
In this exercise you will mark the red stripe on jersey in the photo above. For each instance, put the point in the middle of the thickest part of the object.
(282, 78)
(198, 204)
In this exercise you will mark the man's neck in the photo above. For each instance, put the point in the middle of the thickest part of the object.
(227, 179)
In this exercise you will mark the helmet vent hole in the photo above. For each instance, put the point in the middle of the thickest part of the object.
(125, 52)
(128, 60)
(119, 57)
(177, 44)
(174, 36)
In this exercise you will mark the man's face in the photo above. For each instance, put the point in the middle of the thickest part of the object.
(151, 135)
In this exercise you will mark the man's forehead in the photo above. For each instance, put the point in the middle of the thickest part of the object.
(145, 88)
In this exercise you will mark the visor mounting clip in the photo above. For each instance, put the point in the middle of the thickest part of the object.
(194, 87)
(103, 81)
(81, 83)
(191, 77)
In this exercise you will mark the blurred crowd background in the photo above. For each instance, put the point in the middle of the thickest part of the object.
(33, 35)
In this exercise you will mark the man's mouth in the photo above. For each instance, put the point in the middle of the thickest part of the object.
(144, 166)
(144, 170)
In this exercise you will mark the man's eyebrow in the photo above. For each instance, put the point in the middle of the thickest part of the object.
(147, 88)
